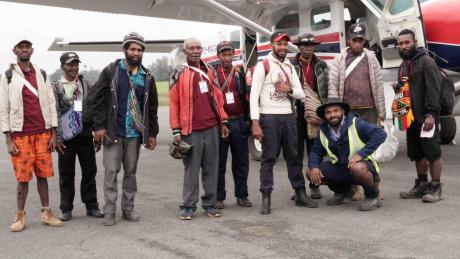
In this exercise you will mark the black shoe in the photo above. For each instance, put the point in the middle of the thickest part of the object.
(186, 214)
(417, 191)
(301, 199)
(96, 213)
(65, 216)
(130, 215)
(266, 202)
(338, 198)
(315, 193)
(433, 193)
(243, 202)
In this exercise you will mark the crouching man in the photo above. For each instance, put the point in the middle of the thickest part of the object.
(350, 143)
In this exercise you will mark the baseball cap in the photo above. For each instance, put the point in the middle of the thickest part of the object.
(22, 39)
(277, 36)
(357, 31)
(225, 45)
(68, 57)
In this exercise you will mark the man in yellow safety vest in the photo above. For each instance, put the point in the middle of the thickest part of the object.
(350, 143)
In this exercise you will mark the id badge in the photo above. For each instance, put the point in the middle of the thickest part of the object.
(78, 105)
(203, 87)
(230, 98)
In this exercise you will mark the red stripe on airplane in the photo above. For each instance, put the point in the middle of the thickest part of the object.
(442, 22)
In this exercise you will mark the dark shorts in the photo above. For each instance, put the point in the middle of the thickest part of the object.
(340, 174)
(419, 148)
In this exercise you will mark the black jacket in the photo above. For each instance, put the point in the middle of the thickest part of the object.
(321, 75)
(104, 104)
(243, 89)
(62, 104)
(424, 85)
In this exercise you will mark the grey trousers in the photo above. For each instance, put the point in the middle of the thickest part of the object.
(369, 115)
(205, 156)
(125, 151)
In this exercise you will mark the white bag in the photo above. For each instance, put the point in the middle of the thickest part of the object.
(388, 149)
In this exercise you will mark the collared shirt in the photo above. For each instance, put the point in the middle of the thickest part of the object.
(335, 136)
(308, 75)
(69, 88)
(137, 77)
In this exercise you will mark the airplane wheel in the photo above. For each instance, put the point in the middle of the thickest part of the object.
(255, 148)
(448, 129)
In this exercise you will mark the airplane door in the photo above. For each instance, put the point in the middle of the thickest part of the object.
(394, 16)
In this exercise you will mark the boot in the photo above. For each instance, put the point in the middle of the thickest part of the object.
(315, 193)
(109, 220)
(369, 204)
(49, 219)
(19, 222)
(339, 198)
(433, 193)
(417, 191)
(301, 199)
(266, 202)
(130, 215)
(356, 194)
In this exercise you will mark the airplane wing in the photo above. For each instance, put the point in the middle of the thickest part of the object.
(189, 10)
(156, 46)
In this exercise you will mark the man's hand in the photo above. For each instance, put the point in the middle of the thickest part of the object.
(314, 121)
(98, 139)
(224, 131)
(177, 139)
(354, 159)
(152, 143)
(380, 122)
(257, 132)
(428, 123)
(52, 142)
(315, 176)
(12, 148)
(282, 87)
(60, 147)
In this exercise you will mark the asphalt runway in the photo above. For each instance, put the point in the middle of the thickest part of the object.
(399, 229)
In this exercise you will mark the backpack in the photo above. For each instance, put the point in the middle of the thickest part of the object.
(9, 74)
(447, 95)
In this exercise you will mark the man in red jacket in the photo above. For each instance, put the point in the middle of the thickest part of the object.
(197, 117)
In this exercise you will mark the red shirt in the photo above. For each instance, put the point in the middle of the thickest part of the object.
(235, 108)
(33, 118)
(308, 74)
(204, 116)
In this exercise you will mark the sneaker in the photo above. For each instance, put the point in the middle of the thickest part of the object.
(130, 215)
(65, 215)
(186, 214)
(19, 222)
(109, 220)
(220, 205)
(417, 191)
(369, 204)
(49, 219)
(243, 202)
(433, 193)
(315, 193)
(338, 198)
(213, 212)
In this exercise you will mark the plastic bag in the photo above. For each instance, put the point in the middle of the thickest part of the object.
(388, 149)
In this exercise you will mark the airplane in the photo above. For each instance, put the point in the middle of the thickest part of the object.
(435, 22)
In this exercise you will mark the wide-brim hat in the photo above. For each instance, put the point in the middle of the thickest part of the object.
(305, 39)
(329, 102)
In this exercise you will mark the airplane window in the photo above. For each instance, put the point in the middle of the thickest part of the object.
(346, 14)
(399, 6)
(320, 18)
(379, 3)
(288, 24)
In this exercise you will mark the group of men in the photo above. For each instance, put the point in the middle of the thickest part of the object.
(335, 110)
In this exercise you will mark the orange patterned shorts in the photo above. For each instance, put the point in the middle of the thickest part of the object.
(33, 156)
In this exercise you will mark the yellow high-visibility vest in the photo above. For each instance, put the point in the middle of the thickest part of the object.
(355, 145)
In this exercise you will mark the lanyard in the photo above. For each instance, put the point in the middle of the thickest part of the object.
(228, 79)
(202, 74)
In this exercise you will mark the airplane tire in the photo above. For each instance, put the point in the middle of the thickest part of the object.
(448, 129)
(255, 148)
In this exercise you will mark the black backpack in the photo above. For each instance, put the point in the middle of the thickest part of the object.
(447, 95)
(9, 74)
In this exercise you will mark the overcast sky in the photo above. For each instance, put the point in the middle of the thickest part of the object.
(42, 24)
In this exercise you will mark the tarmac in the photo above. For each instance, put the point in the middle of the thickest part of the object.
(399, 229)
